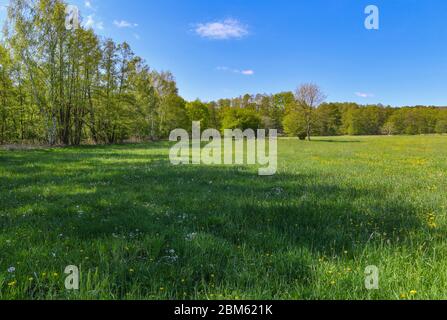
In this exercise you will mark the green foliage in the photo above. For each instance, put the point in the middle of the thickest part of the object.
(329, 120)
(417, 120)
(199, 111)
(69, 87)
(441, 124)
(294, 124)
(388, 128)
(214, 115)
(367, 120)
(240, 118)
(174, 115)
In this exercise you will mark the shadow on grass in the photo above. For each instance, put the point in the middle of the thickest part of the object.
(336, 141)
(98, 195)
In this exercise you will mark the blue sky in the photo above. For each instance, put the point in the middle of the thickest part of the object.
(220, 48)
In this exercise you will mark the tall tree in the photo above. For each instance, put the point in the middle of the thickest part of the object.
(308, 97)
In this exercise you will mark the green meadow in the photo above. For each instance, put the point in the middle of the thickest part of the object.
(139, 228)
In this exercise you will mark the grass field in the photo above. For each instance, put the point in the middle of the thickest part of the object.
(139, 228)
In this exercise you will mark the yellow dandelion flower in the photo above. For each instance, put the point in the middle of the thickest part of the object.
(403, 296)
(12, 284)
(413, 292)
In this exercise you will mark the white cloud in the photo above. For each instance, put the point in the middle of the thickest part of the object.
(124, 24)
(221, 30)
(364, 95)
(92, 23)
(88, 4)
(247, 72)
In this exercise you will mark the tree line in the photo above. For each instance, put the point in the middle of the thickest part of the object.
(69, 87)
(300, 114)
